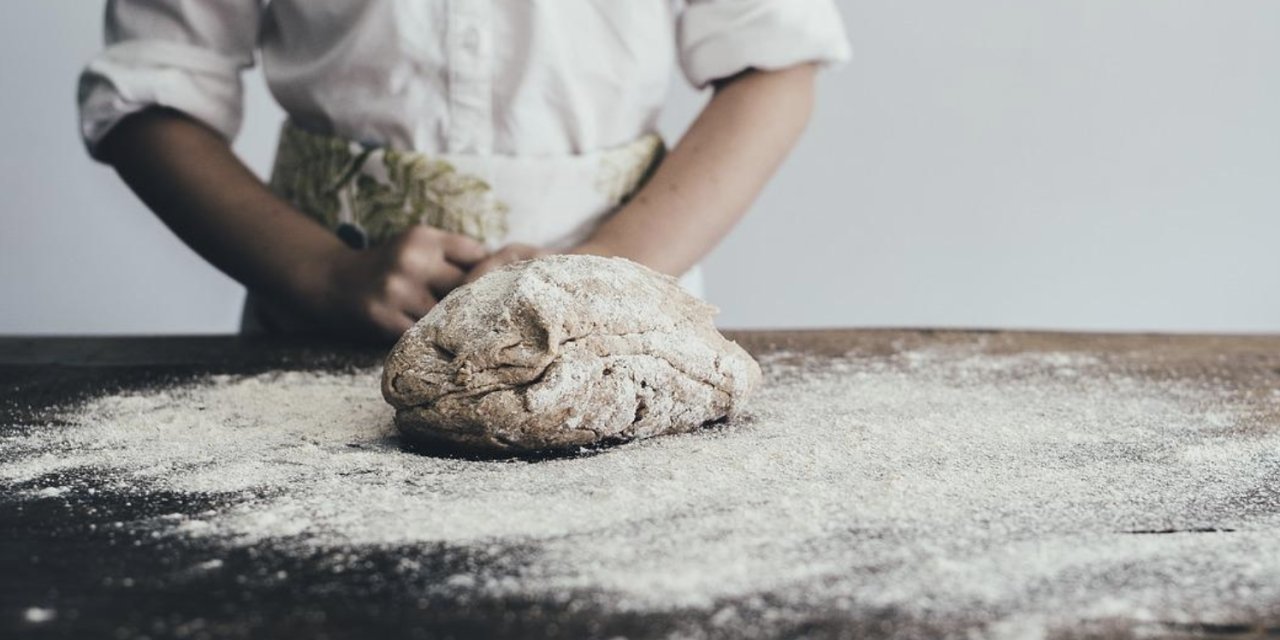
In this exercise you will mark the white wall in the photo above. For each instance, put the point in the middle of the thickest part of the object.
(1065, 163)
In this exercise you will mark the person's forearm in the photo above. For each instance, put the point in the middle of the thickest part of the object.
(189, 176)
(711, 177)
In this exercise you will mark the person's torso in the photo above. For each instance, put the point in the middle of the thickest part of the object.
(514, 77)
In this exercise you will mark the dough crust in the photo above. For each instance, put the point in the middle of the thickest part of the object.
(561, 352)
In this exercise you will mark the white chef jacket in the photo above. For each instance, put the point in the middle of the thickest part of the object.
(459, 77)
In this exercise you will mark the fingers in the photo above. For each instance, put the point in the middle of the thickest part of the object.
(434, 259)
(409, 297)
(479, 270)
(445, 278)
(388, 322)
(504, 256)
(461, 250)
(456, 248)
(424, 264)
(387, 289)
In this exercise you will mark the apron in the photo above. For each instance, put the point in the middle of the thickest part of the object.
(368, 195)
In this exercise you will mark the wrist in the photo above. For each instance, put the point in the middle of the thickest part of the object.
(593, 248)
(601, 245)
(316, 275)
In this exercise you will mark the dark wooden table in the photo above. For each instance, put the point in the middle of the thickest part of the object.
(48, 555)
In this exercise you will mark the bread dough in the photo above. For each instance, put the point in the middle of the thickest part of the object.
(564, 351)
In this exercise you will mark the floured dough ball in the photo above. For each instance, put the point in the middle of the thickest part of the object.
(560, 352)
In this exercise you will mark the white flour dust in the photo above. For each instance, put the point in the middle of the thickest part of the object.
(943, 483)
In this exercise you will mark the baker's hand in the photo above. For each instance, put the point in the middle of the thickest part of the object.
(506, 255)
(381, 292)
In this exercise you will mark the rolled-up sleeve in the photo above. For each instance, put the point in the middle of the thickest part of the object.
(720, 38)
(185, 55)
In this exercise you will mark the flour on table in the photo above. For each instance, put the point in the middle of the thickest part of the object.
(1006, 492)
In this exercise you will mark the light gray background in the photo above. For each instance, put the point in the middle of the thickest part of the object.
(1058, 164)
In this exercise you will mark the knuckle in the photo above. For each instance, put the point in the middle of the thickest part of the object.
(424, 232)
(415, 261)
(404, 260)
(454, 244)
(389, 285)
(406, 238)
(369, 308)
(413, 238)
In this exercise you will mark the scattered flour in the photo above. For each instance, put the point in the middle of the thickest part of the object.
(39, 615)
(948, 484)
